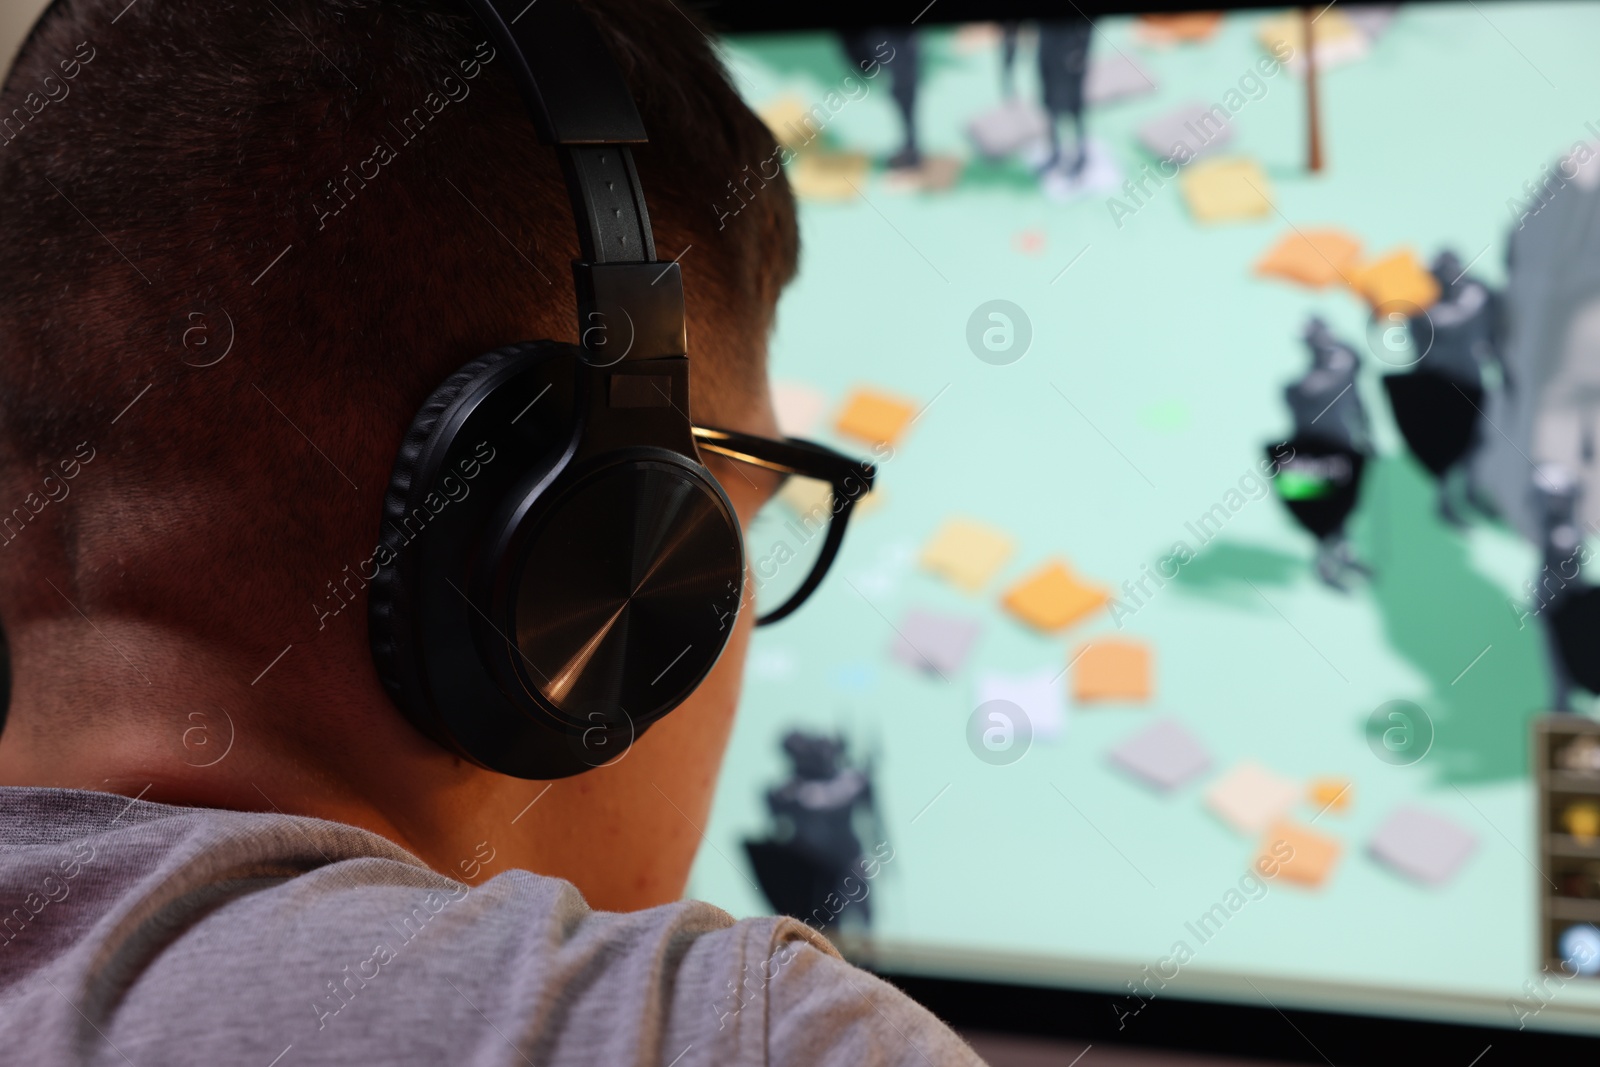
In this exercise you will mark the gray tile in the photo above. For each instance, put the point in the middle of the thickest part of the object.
(1009, 128)
(1371, 19)
(1164, 754)
(1193, 127)
(1421, 845)
(1115, 76)
(933, 642)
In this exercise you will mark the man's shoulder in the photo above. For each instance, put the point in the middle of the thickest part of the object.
(201, 936)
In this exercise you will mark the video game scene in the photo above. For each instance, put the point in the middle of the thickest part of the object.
(1222, 589)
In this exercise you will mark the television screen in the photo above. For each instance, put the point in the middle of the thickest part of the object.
(1219, 623)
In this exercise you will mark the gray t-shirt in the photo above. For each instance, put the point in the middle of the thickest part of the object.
(142, 934)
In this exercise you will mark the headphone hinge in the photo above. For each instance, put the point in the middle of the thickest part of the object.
(630, 311)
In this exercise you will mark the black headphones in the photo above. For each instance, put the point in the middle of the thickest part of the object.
(555, 558)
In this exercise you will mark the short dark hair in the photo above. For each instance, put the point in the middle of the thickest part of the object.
(351, 191)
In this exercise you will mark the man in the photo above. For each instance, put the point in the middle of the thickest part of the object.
(240, 243)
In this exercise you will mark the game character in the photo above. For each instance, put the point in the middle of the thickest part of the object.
(863, 49)
(1567, 604)
(1325, 402)
(1320, 479)
(1549, 341)
(1438, 405)
(1466, 324)
(1063, 70)
(1010, 30)
(1016, 126)
(804, 865)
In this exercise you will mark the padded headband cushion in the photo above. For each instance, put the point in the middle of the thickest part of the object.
(385, 606)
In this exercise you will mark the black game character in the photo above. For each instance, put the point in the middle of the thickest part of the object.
(861, 46)
(806, 867)
(1325, 402)
(1010, 30)
(1439, 405)
(1320, 467)
(1063, 70)
(1569, 606)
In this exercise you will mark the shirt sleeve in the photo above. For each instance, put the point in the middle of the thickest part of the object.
(822, 1010)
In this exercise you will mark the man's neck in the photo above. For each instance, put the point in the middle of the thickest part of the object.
(123, 706)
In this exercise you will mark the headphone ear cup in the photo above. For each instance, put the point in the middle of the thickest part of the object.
(385, 603)
(610, 586)
(546, 586)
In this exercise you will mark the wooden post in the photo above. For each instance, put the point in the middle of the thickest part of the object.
(1313, 123)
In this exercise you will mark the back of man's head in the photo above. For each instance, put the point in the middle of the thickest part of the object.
(241, 242)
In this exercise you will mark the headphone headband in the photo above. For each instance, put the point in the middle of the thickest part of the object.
(579, 102)
(577, 95)
(565, 602)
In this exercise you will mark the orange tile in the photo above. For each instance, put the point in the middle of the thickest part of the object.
(1310, 856)
(1398, 277)
(875, 417)
(1330, 794)
(1053, 598)
(1316, 258)
(1187, 26)
(1109, 669)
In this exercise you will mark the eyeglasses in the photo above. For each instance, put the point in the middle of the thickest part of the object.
(794, 538)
